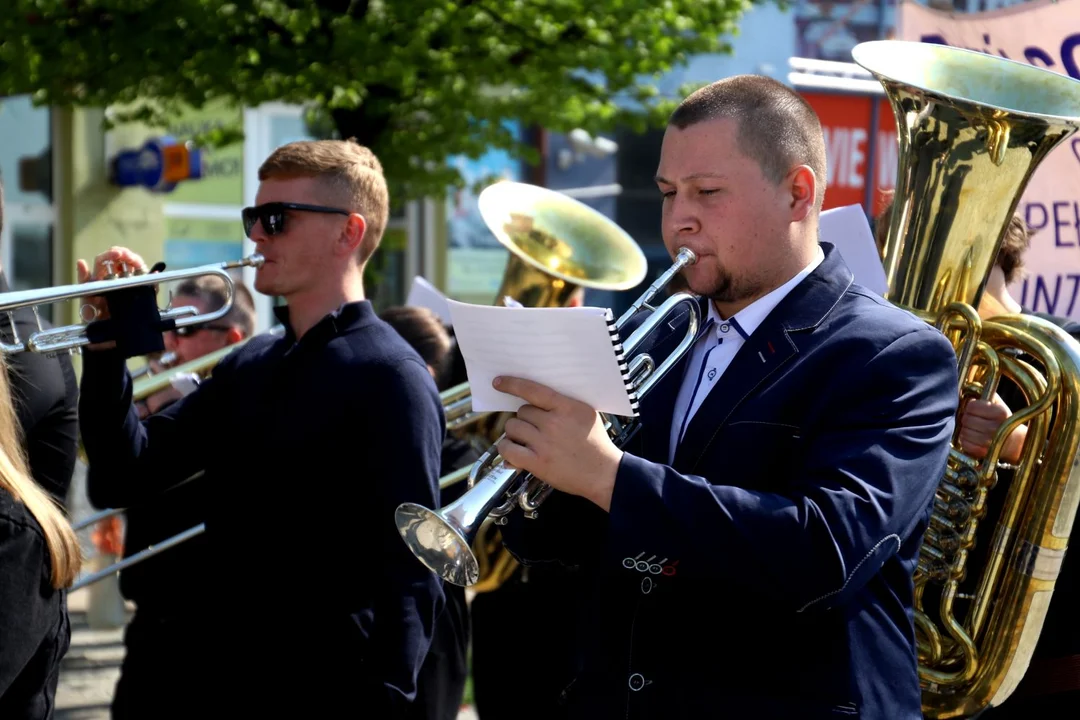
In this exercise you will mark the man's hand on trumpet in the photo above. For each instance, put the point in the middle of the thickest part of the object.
(114, 262)
(559, 440)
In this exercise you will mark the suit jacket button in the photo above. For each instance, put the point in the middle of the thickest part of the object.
(646, 586)
(637, 681)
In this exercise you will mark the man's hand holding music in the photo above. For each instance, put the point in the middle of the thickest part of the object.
(559, 440)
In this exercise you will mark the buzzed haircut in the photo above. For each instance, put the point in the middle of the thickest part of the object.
(777, 128)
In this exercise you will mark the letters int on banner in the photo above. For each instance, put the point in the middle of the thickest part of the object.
(1045, 34)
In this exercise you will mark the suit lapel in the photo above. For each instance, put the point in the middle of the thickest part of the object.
(658, 405)
(749, 372)
(770, 347)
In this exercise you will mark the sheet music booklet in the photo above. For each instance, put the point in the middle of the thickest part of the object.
(575, 351)
(424, 294)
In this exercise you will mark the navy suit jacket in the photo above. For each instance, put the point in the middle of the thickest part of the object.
(767, 571)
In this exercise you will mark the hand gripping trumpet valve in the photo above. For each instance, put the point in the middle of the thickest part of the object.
(135, 323)
(442, 540)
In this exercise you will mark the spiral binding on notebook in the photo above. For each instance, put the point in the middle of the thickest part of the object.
(620, 356)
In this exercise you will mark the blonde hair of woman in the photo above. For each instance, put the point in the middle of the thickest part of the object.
(65, 555)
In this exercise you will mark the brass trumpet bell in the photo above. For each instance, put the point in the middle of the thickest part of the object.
(557, 244)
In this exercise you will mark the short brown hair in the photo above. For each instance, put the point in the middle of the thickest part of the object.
(881, 222)
(1016, 242)
(777, 128)
(425, 332)
(349, 170)
(1010, 257)
(210, 291)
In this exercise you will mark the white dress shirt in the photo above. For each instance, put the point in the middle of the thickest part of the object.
(716, 347)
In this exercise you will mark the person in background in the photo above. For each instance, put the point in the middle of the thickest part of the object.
(39, 558)
(189, 343)
(1051, 686)
(541, 593)
(46, 397)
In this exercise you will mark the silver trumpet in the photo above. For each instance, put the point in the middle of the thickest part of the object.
(442, 540)
(72, 337)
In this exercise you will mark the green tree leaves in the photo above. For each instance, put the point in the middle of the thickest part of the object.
(416, 80)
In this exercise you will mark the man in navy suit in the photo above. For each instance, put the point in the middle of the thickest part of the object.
(752, 547)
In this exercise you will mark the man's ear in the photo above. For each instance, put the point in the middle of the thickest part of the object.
(352, 234)
(802, 183)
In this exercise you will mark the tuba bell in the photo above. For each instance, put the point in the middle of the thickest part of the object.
(972, 128)
(557, 246)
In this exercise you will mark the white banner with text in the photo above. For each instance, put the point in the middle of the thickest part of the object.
(1044, 34)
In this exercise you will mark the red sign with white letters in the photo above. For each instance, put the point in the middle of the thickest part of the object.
(856, 154)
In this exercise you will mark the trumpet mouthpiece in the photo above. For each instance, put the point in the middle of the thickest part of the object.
(686, 256)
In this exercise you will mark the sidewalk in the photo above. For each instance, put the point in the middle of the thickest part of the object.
(92, 666)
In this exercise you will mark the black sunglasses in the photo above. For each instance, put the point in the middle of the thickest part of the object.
(272, 215)
(189, 330)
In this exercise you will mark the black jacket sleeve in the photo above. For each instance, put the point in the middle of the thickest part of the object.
(27, 612)
(867, 483)
(407, 434)
(46, 395)
(132, 460)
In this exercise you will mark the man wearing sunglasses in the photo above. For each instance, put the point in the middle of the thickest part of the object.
(191, 342)
(333, 425)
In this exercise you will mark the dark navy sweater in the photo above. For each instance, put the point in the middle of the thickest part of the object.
(307, 447)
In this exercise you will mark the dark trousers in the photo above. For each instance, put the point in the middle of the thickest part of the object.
(1037, 707)
(524, 636)
(164, 675)
(440, 686)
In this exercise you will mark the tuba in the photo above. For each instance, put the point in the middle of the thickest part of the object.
(972, 128)
(557, 246)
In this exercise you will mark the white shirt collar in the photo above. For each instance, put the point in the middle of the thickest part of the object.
(750, 317)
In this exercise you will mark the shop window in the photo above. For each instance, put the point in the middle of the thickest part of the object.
(27, 236)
